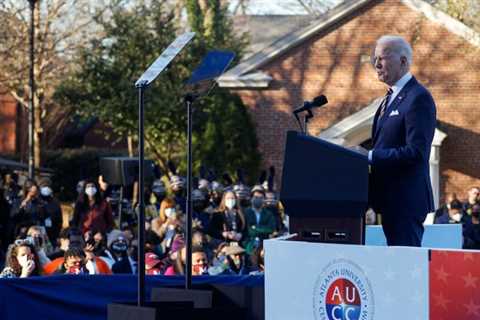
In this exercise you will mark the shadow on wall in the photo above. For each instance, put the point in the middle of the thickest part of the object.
(460, 153)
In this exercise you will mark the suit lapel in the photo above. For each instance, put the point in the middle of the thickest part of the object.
(378, 123)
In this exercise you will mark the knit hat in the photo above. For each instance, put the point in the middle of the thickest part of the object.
(113, 236)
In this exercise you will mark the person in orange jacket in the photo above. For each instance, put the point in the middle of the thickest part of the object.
(76, 261)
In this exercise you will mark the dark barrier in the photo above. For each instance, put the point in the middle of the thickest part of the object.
(86, 297)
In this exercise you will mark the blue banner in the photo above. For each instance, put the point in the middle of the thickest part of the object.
(86, 297)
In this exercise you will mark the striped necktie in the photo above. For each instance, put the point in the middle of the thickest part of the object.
(384, 103)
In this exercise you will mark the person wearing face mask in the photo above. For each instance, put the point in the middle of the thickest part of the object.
(118, 245)
(29, 209)
(228, 222)
(53, 211)
(216, 194)
(10, 189)
(22, 261)
(199, 261)
(177, 185)
(200, 217)
(157, 195)
(92, 212)
(171, 229)
(167, 212)
(260, 221)
(99, 242)
(453, 215)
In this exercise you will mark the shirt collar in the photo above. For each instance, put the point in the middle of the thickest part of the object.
(398, 86)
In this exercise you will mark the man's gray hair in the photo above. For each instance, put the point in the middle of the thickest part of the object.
(399, 46)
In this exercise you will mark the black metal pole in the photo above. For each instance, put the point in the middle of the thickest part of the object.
(31, 113)
(120, 204)
(141, 200)
(188, 229)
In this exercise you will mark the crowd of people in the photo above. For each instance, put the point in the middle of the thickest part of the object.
(230, 222)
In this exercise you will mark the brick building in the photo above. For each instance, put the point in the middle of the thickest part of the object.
(331, 56)
(11, 123)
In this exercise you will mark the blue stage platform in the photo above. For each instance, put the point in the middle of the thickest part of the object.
(86, 297)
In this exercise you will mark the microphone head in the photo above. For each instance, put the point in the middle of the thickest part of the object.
(319, 101)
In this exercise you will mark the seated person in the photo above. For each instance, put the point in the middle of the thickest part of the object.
(454, 214)
(74, 262)
(228, 223)
(93, 264)
(22, 260)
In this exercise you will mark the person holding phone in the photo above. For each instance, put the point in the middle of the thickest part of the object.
(22, 260)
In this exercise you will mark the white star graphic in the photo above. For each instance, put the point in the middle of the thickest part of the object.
(472, 308)
(441, 301)
(468, 256)
(470, 280)
(442, 275)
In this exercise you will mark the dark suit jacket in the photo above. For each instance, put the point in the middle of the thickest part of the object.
(122, 266)
(400, 179)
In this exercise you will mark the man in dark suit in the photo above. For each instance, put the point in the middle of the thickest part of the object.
(402, 134)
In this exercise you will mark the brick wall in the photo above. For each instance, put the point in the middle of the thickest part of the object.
(336, 63)
(8, 124)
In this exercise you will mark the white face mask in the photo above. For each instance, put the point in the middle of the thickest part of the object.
(457, 217)
(46, 191)
(230, 203)
(91, 191)
(170, 212)
(22, 260)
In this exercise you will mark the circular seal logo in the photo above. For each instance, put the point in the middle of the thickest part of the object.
(343, 292)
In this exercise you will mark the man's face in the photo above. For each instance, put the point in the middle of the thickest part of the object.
(389, 65)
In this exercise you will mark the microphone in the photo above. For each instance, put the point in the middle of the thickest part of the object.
(316, 102)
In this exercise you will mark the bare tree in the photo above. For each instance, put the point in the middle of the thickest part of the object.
(61, 28)
(466, 11)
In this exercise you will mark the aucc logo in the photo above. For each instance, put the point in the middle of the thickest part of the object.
(342, 292)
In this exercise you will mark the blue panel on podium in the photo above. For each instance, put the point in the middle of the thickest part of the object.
(446, 236)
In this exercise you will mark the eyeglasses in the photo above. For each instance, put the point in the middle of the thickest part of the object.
(21, 242)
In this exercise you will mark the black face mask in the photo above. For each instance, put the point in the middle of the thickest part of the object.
(119, 247)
